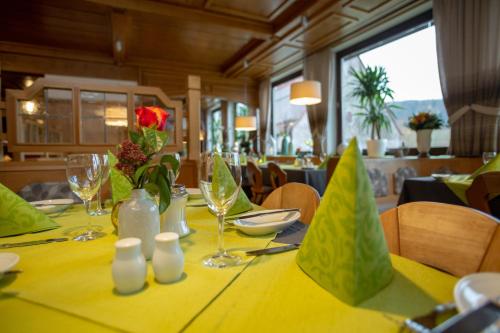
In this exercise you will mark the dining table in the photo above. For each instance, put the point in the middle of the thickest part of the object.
(67, 286)
(435, 190)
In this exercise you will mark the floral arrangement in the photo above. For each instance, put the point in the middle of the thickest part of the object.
(136, 155)
(425, 120)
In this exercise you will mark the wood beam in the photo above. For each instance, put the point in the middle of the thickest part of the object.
(256, 28)
(120, 29)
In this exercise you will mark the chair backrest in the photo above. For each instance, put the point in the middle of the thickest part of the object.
(379, 182)
(400, 175)
(455, 239)
(47, 190)
(482, 188)
(254, 174)
(295, 195)
(330, 167)
(276, 174)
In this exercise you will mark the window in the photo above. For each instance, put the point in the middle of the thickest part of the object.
(242, 138)
(290, 126)
(217, 130)
(410, 60)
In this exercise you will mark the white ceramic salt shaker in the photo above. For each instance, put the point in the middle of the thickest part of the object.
(168, 259)
(129, 266)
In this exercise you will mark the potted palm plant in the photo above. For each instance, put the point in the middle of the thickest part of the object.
(371, 88)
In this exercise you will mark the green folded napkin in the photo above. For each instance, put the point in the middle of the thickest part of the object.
(223, 181)
(120, 186)
(493, 165)
(459, 184)
(323, 165)
(345, 250)
(19, 217)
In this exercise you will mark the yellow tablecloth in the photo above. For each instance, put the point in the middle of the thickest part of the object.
(68, 287)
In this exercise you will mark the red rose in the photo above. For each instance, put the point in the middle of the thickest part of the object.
(152, 117)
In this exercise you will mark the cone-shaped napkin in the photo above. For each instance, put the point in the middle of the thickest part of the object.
(493, 165)
(344, 250)
(19, 217)
(222, 177)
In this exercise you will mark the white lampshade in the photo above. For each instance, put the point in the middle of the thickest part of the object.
(246, 123)
(305, 93)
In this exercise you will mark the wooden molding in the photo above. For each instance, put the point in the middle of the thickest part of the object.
(256, 28)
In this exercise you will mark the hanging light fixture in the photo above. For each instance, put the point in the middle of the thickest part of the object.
(246, 123)
(305, 92)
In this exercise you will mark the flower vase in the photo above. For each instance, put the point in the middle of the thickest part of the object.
(139, 217)
(424, 138)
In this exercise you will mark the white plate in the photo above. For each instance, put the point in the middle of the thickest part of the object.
(53, 205)
(440, 176)
(265, 224)
(7, 261)
(473, 290)
(194, 193)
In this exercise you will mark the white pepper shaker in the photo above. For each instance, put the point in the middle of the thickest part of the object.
(129, 266)
(168, 259)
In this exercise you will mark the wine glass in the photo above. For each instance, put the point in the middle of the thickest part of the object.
(488, 156)
(83, 172)
(220, 183)
(103, 158)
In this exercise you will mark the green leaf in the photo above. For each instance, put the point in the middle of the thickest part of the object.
(152, 188)
(139, 172)
(164, 193)
(134, 136)
(155, 140)
(172, 161)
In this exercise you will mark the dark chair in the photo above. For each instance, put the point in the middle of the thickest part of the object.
(277, 175)
(482, 189)
(259, 191)
(48, 190)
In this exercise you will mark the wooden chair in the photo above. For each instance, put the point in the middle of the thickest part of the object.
(455, 239)
(277, 175)
(483, 186)
(259, 191)
(295, 195)
(330, 167)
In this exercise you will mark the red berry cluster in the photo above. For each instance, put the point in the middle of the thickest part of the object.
(130, 157)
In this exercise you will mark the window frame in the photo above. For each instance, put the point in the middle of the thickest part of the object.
(403, 29)
(289, 77)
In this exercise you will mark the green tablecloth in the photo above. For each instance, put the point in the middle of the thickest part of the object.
(68, 287)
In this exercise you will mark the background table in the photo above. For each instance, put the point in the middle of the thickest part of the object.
(68, 286)
(430, 189)
(313, 176)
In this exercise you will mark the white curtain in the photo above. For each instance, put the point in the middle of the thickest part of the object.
(468, 47)
(319, 67)
(264, 107)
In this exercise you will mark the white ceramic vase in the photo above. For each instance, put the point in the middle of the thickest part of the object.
(129, 266)
(424, 139)
(376, 148)
(139, 217)
(168, 259)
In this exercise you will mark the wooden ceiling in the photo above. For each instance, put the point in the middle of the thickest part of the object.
(237, 38)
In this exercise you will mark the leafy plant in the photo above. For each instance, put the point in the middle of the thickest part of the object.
(371, 88)
(425, 120)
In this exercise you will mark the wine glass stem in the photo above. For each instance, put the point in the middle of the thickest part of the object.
(220, 240)
(99, 207)
(87, 209)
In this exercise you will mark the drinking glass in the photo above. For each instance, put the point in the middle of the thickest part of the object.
(488, 156)
(83, 172)
(103, 158)
(220, 194)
